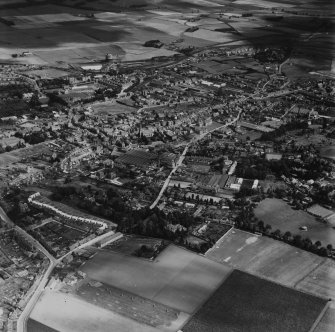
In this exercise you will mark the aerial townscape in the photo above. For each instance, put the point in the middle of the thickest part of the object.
(167, 165)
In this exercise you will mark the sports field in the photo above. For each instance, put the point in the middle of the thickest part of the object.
(67, 313)
(109, 108)
(264, 257)
(280, 215)
(247, 303)
(177, 278)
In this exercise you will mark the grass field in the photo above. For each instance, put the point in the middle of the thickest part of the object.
(327, 323)
(110, 108)
(248, 303)
(15, 156)
(277, 261)
(321, 281)
(67, 313)
(264, 257)
(280, 215)
(177, 278)
(132, 306)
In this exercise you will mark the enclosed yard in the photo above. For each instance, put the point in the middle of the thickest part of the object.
(177, 278)
(248, 303)
(280, 215)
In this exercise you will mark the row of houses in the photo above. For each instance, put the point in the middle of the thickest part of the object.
(31, 200)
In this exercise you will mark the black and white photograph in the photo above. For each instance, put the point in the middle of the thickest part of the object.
(167, 165)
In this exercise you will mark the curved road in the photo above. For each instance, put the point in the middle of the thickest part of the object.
(22, 321)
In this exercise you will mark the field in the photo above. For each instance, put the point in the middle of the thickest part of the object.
(15, 156)
(328, 152)
(183, 283)
(247, 303)
(280, 215)
(276, 261)
(327, 323)
(321, 281)
(67, 313)
(129, 244)
(68, 33)
(132, 306)
(108, 108)
(264, 257)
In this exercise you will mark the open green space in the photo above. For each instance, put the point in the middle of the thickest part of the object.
(248, 303)
(280, 215)
(177, 278)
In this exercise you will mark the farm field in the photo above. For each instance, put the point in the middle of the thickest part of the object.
(321, 281)
(183, 283)
(247, 303)
(327, 322)
(67, 313)
(276, 261)
(132, 306)
(280, 215)
(264, 257)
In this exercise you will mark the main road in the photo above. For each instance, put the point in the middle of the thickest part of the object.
(182, 156)
(40, 284)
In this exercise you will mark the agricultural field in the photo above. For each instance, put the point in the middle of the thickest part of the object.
(183, 283)
(68, 313)
(327, 322)
(321, 281)
(280, 215)
(132, 306)
(247, 303)
(264, 257)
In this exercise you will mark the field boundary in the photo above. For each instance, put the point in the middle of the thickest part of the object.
(308, 274)
(317, 321)
(219, 240)
(209, 296)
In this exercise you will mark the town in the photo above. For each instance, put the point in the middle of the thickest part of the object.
(216, 157)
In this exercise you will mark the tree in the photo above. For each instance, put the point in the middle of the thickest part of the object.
(276, 234)
(268, 228)
(260, 226)
(287, 236)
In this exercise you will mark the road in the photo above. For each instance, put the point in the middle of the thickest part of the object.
(39, 287)
(182, 156)
(22, 321)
